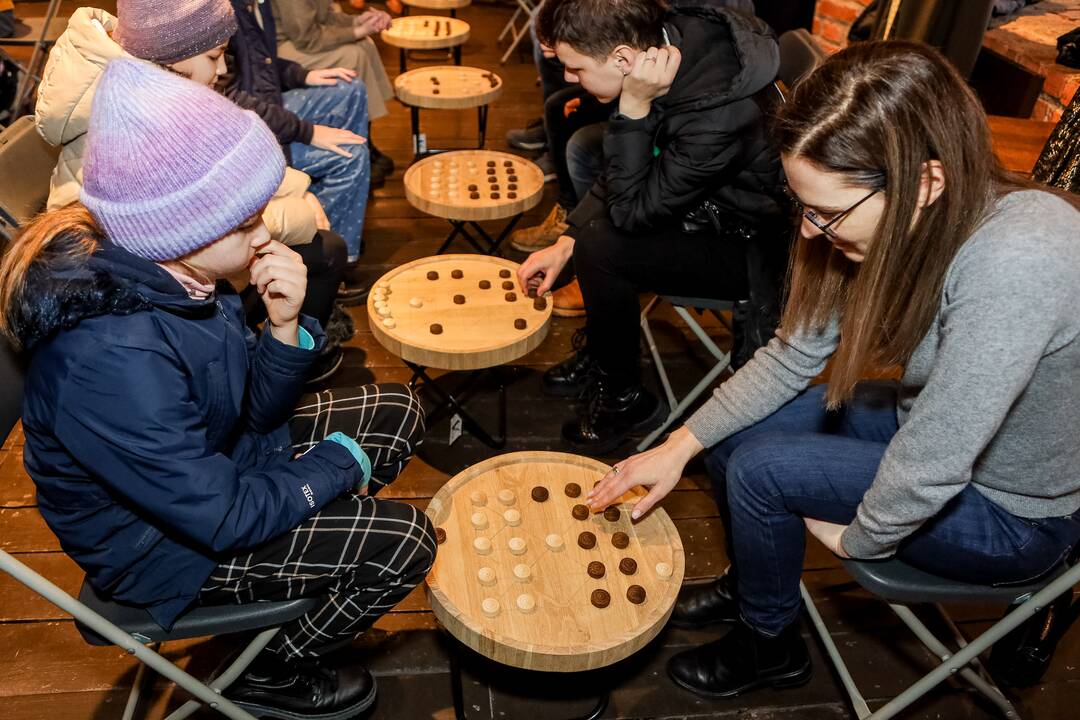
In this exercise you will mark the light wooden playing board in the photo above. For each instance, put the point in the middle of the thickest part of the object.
(438, 4)
(477, 334)
(426, 32)
(439, 185)
(448, 87)
(564, 632)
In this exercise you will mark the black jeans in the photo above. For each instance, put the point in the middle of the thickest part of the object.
(325, 259)
(560, 129)
(613, 266)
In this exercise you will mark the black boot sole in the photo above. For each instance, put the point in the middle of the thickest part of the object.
(792, 679)
(265, 711)
(618, 441)
(562, 391)
(687, 625)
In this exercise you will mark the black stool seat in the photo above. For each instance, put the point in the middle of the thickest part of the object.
(200, 621)
(896, 581)
(697, 302)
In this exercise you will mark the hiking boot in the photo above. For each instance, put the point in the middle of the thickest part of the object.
(543, 235)
(328, 363)
(570, 377)
(323, 689)
(743, 660)
(531, 137)
(567, 301)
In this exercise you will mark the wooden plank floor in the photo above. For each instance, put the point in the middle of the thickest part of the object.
(47, 671)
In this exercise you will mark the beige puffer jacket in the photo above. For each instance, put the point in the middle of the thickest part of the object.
(63, 115)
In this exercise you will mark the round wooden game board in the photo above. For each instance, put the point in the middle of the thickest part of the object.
(438, 4)
(426, 32)
(448, 87)
(479, 333)
(564, 632)
(439, 185)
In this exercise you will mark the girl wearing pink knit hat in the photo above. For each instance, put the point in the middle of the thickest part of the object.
(174, 454)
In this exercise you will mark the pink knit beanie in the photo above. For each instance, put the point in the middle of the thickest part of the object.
(168, 31)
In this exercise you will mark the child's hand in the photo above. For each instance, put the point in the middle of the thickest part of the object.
(280, 277)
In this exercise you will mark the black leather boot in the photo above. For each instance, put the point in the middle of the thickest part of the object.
(609, 416)
(572, 376)
(703, 604)
(741, 661)
(326, 689)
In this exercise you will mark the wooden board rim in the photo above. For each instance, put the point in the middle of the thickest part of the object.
(547, 657)
(436, 357)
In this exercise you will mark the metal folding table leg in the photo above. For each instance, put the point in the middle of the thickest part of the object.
(451, 400)
(481, 122)
(461, 227)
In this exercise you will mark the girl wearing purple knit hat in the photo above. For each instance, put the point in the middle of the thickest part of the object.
(174, 454)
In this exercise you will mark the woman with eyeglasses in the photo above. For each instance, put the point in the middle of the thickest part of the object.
(915, 249)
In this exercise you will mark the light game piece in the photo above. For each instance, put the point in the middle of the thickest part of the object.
(522, 572)
(486, 575)
(526, 602)
(663, 570)
(512, 517)
(416, 302)
(490, 607)
(479, 520)
(482, 545)
(554, 541)
(516, 545)
(507, 496)
(384, 311)
(478, 498)
(389, 323)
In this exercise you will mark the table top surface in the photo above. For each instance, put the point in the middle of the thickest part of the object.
(474, 185)
(448, 87)
(421, 32)
(457, 312)
(438, 4)
(534, 551)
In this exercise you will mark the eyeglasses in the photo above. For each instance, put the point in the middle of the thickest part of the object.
(815, 219)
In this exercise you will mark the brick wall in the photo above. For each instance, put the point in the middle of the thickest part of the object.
(833, 19)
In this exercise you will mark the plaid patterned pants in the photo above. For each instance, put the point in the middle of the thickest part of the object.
(361, 554)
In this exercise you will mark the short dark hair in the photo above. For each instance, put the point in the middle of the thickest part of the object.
(596, 27)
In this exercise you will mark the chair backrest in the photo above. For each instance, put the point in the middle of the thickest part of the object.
(799, 54)
(27, 158)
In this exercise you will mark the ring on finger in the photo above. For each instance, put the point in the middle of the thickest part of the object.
(615, 470)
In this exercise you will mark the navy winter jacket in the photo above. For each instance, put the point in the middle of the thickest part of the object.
(156, 427)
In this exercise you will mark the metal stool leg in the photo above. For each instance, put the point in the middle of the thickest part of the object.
(451, 400)
(414, 116)
(481, 121)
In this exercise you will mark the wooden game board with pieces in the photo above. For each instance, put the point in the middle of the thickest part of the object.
(474, 185)
(457, 312)
(438, 4)
(426, 32)
(523, 579)
(448, 87)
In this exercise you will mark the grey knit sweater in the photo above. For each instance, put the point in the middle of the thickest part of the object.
(991, 395)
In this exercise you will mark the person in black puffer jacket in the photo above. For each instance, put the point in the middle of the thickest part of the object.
(690, 201)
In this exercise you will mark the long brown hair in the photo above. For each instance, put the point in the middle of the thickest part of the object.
(876, 113)
(69, 234)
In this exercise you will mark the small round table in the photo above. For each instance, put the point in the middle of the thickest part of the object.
(452, 5)
(457, 312)
(426, 32)
(504, 539)
(469, 186)
(447, 87)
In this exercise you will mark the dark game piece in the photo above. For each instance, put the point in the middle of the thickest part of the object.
(435, 91)
(520, 324)
(572, 490)
(540, 493)
(512, 195)
(491, 163)
(485, 284)
(540, 303)
(620, 540)
(459, 299)
(510, 297)
(511, 186)
(508, 285)
(596, 569)
(504, 273)
(432, 275)
(440, 536)
(494, 196)
(491, 171)
(612, 514)
(512, 178)
(635, 594)
(600, 598)
(436, 329)
(580, 512)
(457, 274)
(473, 188)
(474, 195)
(628, 566)
(508, 163)
(532, 293)
(586, 540)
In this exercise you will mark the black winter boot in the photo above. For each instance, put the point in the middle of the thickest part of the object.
(323, 689)
(703, 604)
(609, 415)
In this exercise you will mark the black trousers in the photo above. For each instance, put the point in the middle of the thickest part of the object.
(360, 555)
(324, 258)
(614, 266)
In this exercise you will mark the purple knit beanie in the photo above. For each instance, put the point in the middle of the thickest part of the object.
(170, 165)
(169, 31)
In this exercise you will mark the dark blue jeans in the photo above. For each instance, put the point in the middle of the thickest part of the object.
(806, 462)
(340, 183)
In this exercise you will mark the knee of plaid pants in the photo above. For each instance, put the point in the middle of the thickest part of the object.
(386, 420)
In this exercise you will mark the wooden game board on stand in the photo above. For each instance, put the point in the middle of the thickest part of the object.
(527, 576)
(426, 32)
(469, 186)
(452, 5)
(447, 87)
(457, 312)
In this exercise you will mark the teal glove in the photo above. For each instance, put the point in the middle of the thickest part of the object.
(357, 452)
